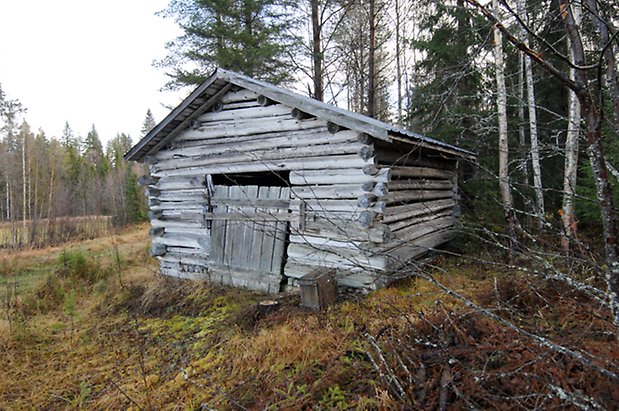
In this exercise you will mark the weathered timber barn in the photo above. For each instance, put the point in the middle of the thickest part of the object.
(255, 186)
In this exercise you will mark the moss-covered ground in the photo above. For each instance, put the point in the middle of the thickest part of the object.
(92, 326)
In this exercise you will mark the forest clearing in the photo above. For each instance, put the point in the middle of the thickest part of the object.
(91, 325)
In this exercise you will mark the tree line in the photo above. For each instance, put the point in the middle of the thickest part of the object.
(44, 178)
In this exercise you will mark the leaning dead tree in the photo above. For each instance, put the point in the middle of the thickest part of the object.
(587, 84)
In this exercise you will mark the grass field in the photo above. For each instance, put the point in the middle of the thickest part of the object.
(91, 326)
(46, 232)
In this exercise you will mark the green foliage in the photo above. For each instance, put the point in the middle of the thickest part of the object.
(248, 36)
(135, 205)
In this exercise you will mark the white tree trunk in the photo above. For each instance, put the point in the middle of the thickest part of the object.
(506, 194)
(535, 162)
(571, 154)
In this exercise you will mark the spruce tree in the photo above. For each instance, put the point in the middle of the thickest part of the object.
(248, 36)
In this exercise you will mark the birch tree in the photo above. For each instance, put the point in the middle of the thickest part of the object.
(568, 214)
(586, 85)
(535, 159)
(504, 184)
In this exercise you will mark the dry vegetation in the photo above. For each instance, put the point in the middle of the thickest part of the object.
(91, 326)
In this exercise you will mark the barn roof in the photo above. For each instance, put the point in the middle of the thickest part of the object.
(221, 81)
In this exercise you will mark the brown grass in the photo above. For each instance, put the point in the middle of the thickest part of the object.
(154, 342)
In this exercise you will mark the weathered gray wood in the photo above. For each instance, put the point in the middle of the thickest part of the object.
(323, 242)
(299, 115)
(338, 191)
(345, 231)
(215, 142)
(345, 210)
(255, 156)
(416, 220)
(238, 277)
(265, 101)
(423, 172)
(420, 184)
(366, 152)
(244, 113)
(366, 218)
(238, 96)
(245, 128)
(281, 228)
(172, 223)
(417, 230)
(409, 251)
(147, 180)
(241, 104)
(156, 231)
(412, 210)
(312, 163)
(337, 176)
(158, 249)
(300, 140)
(171, 183)
(304, 253)
(367, 200)
(416, 195)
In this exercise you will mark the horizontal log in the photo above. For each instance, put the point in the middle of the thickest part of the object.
(396, 213)
(418, 230)
(244, 113)
(299, 115)
(179, 183)
(334, 205)
(245, 139)
(238, 96)
(255, 156)
(244, 128)
(183, 240)
(299, 140)
(420, 184)
(199, 231)
(249, 216)
(336, 191)
(420, 219)
(347, 231)
(335, 257)
(312, 163)
(175, 223)
(416, 195)
(240, 104)
(325, 243)
(423, 172)
(338, 176)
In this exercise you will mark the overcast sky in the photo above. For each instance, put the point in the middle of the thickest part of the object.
(85, 62)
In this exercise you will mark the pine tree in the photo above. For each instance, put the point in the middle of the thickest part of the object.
(149, 123)
(248, 36)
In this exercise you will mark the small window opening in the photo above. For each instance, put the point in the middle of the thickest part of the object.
(263, 179)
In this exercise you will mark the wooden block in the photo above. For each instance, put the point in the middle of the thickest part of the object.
(318, 288)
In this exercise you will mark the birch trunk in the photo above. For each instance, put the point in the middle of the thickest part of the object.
(568, 217)
(535, 162)
(317, 55)
(372, 62)
(398, 58)
(506, 194)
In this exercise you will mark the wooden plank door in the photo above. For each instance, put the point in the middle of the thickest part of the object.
(248, 234)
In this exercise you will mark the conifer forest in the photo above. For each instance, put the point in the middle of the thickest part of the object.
(519, 311)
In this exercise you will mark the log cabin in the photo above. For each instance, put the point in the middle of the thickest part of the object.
(253, 185)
